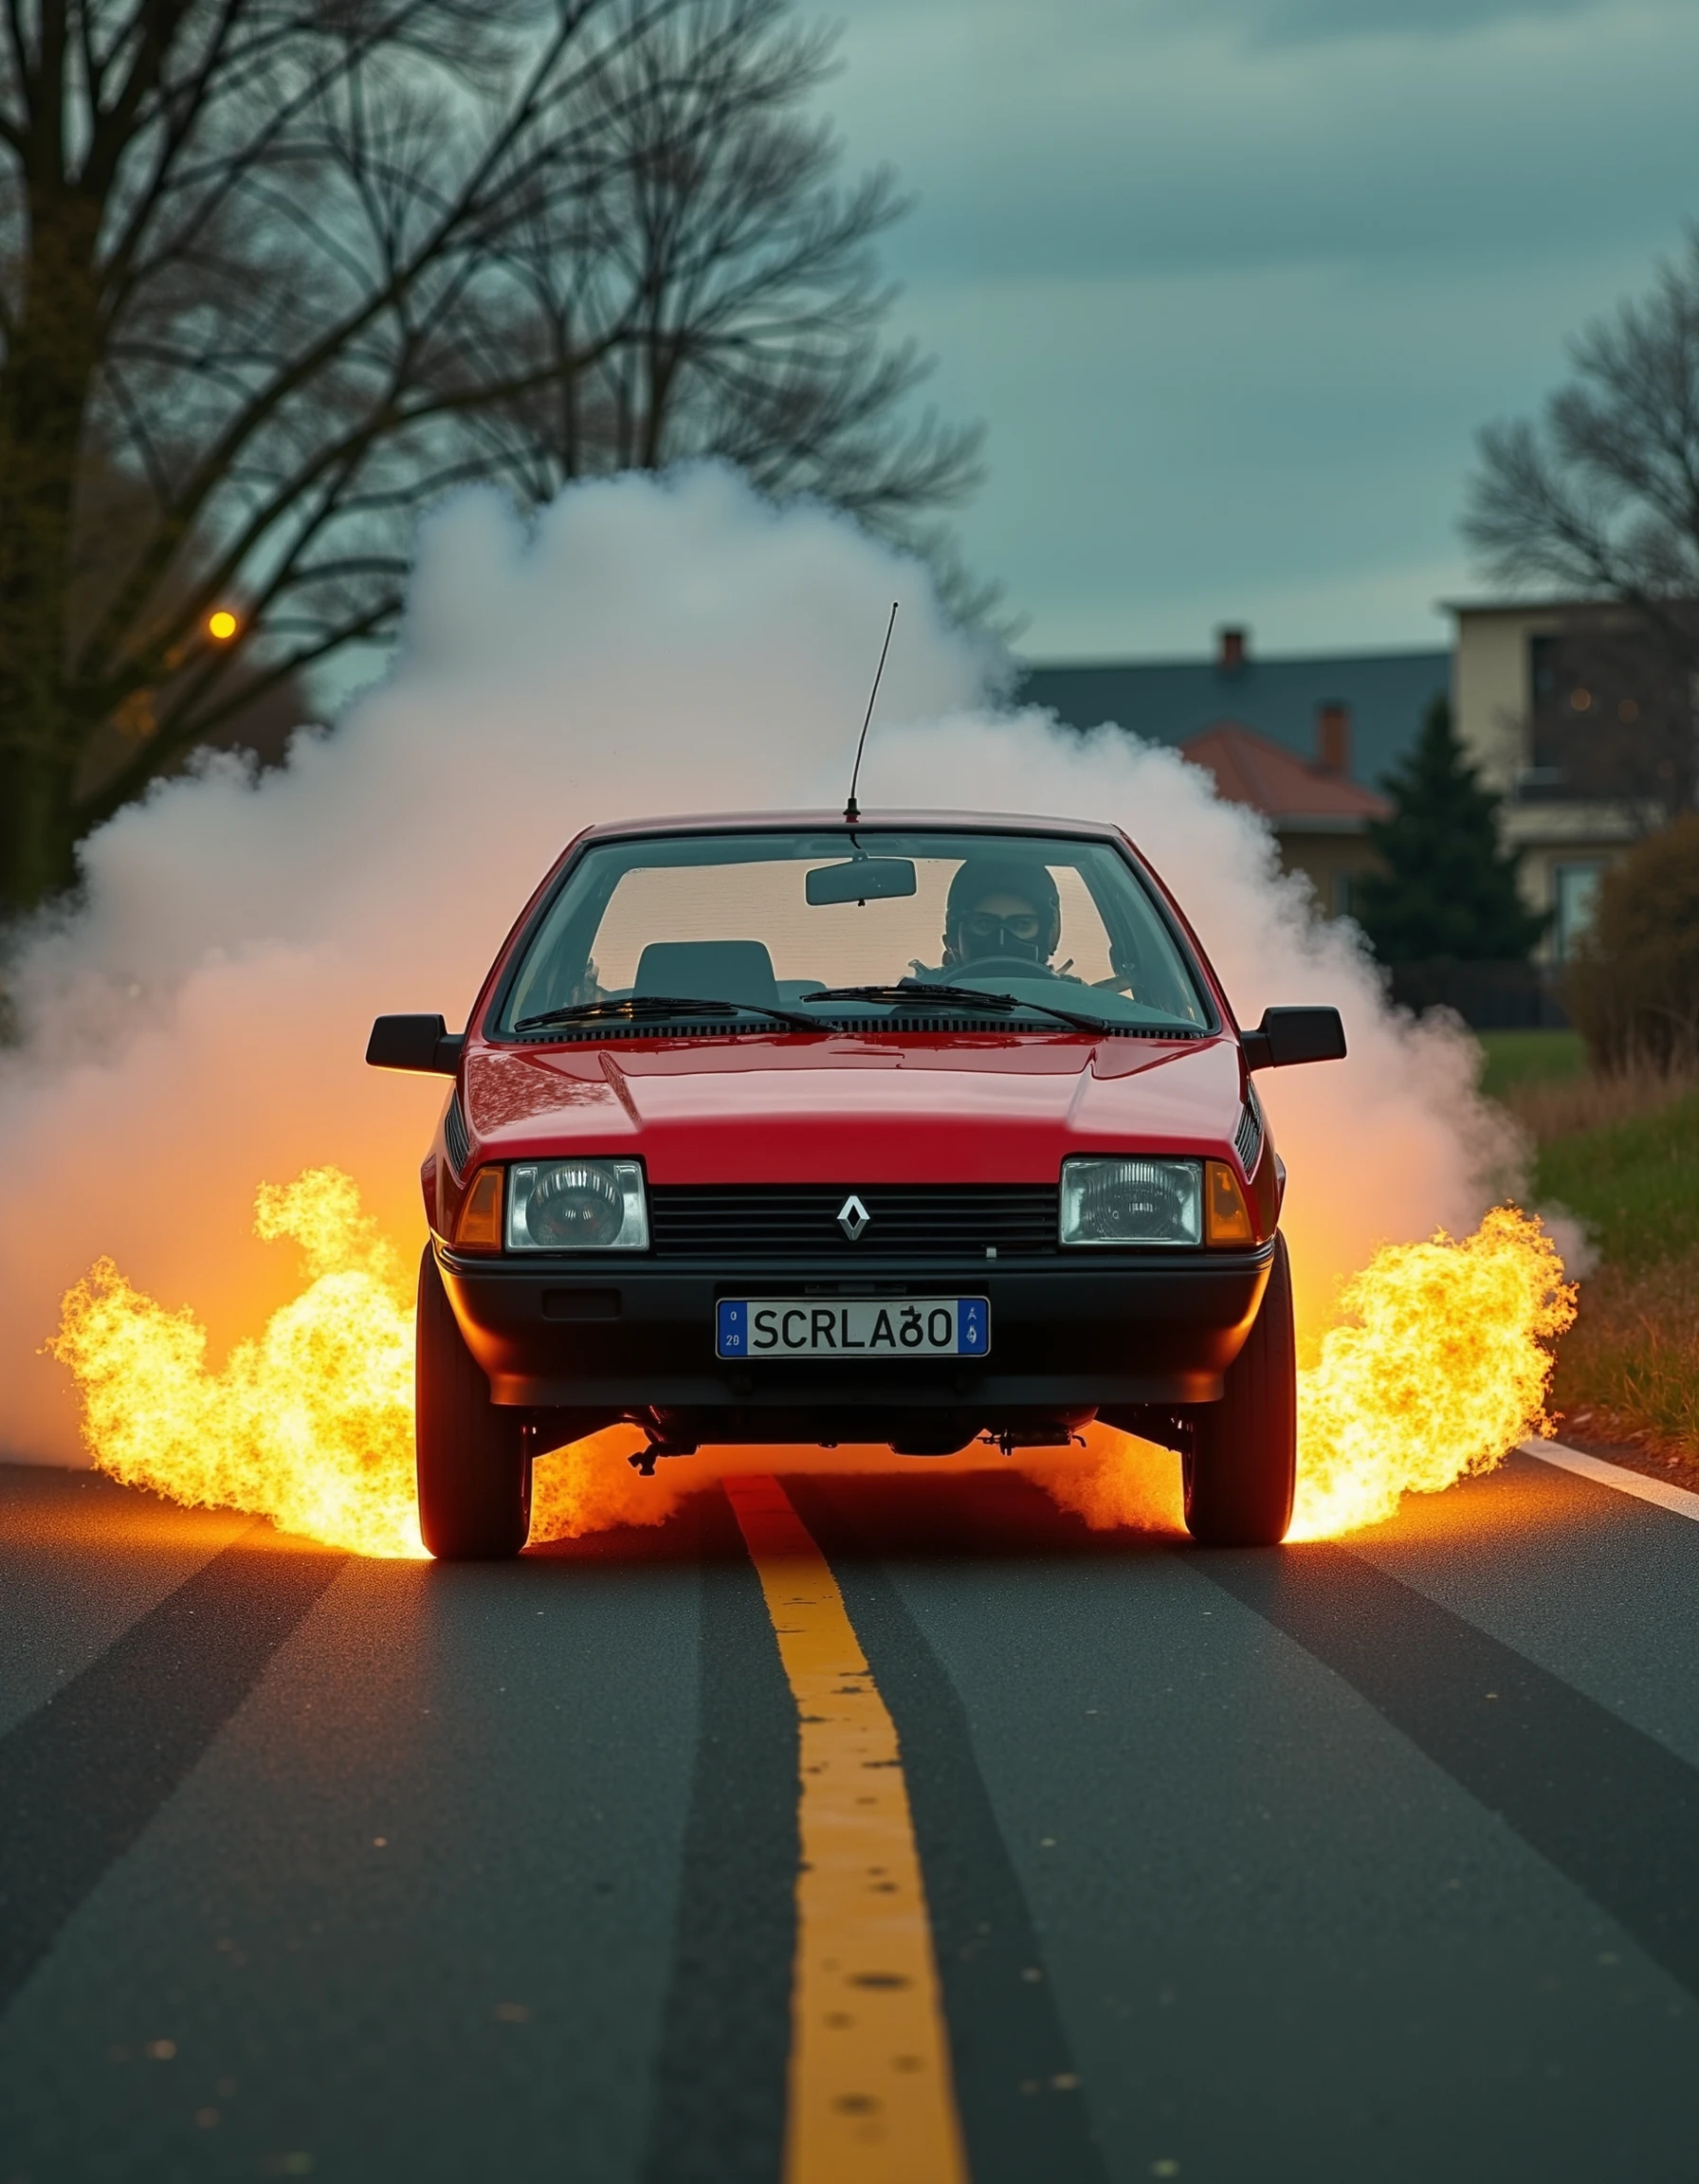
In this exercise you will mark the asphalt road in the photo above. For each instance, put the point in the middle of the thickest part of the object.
(1348, 1862)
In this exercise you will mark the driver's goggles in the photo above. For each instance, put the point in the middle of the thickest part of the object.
(983, 925)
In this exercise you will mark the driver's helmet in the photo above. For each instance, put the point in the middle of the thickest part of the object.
(972, 932)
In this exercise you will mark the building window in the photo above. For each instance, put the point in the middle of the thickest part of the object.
(1542, 754)
(1573, 889)
(1543, 670)
(1342, 893)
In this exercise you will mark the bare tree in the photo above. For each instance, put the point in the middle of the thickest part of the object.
(1600, 500)
(274, 272)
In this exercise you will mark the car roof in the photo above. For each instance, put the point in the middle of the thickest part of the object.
(834, 821)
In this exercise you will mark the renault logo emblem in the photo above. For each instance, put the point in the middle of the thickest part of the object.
(852, 1217)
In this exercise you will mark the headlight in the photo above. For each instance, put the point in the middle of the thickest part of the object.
(577, 1206)
(1113, 1201)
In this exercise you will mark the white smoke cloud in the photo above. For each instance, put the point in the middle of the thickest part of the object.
(644, 646)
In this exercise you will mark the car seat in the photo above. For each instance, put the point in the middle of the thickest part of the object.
(709, 971)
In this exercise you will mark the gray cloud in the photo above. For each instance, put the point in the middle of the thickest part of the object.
(1233, 284)
(1310, 22)
(1104, 148)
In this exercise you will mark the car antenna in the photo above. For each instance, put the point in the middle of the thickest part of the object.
(852, 810)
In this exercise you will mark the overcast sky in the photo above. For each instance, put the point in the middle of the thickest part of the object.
(1231, 283)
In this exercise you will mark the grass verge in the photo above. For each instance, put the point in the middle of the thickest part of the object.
(1554, 1107)
(1628, 1371)
(1636, 1183)
(1518, 1057)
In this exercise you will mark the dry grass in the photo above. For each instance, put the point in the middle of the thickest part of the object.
(1629, 1368)
(1551, 1108)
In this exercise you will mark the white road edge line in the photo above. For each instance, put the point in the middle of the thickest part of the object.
(1615, 1475)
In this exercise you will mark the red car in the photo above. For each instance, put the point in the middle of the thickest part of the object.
(908, 1130)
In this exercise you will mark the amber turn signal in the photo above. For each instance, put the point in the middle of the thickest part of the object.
(1226, 1217)
(480, 1222)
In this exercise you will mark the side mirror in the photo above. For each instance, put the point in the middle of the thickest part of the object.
(415, 1043)
(863, 880)
(1288, 1035)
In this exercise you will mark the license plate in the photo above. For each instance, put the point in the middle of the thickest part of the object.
(854, 1327)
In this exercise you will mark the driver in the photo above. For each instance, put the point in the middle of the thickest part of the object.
(1001, 909)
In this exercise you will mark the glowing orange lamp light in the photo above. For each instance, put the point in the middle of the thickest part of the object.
(221, 625)
(1227, 1218)
(481, 1217)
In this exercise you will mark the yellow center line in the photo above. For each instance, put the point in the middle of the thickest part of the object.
(870, 2092)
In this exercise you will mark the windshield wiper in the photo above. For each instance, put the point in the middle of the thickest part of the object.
(634, 1005)
(917, 991)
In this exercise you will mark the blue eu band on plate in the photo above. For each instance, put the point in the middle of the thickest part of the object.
(755, 1327)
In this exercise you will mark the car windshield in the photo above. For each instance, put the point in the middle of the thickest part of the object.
(788, 921)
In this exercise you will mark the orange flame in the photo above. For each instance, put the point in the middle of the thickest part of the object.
(309, 1424)
(312, 1423)
(1436, 1368)
(1439, 1368)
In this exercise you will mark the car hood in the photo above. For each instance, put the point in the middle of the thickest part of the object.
(855, 1110)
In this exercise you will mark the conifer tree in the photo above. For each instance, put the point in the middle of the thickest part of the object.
(1449, 891)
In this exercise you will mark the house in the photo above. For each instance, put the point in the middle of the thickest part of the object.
(1319, 815)
(1570, 717)
(1306, 741)
(1566, 707)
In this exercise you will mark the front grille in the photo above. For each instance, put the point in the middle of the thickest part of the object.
(455, 1137)
(1248, 1139)
(703, 1220)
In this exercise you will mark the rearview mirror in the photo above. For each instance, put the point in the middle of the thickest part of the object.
(1288, 1035)
(863, 880)
(415, 1043)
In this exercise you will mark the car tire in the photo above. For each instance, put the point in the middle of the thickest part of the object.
(473, 1456)
(1241, 1470)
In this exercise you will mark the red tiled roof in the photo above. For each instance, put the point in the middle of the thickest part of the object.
(1286, 789)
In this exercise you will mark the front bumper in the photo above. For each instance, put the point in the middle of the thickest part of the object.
(1070, 1337)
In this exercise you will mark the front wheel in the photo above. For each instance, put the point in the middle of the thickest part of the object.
(1242, 1467)
(473, 1456)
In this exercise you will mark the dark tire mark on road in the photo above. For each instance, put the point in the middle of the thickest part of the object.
(1612, 1809)
(1023, 2112)
(84, 1775)
(726, 2028)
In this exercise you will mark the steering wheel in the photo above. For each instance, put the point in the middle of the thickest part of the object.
(1001, 966)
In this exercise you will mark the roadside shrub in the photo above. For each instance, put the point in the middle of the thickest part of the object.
(1633, 987)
